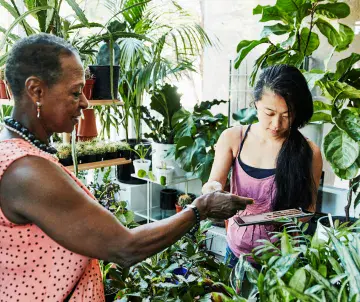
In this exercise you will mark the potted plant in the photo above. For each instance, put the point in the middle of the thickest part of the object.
(183, 200)
(3, 87)
(89, 152)
(164, 173)
(142, 163)
(87, 129)
(100, 151)
(166, 102)
(64, 154)
(89, 84)
(111, 150)
(196, 134)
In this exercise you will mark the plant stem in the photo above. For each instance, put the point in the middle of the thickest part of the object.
(349, 199)
(311, 27)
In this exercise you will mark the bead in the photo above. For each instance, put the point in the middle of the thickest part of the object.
(31, 136)
(24, 130)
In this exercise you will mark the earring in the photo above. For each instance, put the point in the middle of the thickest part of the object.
(38, 109)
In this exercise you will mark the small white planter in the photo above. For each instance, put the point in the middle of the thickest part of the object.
(168, 173)
(141, 164)
(160, 154)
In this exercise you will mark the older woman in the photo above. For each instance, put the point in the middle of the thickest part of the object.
(51, 228)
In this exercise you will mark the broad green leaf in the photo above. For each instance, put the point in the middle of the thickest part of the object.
(321, 117)
(270, 13)
(258, 10)
(78, 11)
(185, 148)
(259, 62)
(246, 116)
(141, 173)
(346, 37)
(277, 29)
(340, 149)
(183, 123)
(289, 5)
(20, 19)
(298, 280)
(151, 176)
(284, 263)
(357, 200)
(329, 32)
(245, 47)
(166, 101)
(348, 173)
(335, 90)
(313, 76)
(289, 42)
(322, 270)
(349, 121)
(331, 290)
(344, 65)
(286, 246)
(333, 10)
(277, 57)
(204, 161)
(309, 41)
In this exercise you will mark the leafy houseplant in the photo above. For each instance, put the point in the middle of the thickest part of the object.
(142, 163)
(196, 134)
(296, 268)
(300, 40)
(164, 173)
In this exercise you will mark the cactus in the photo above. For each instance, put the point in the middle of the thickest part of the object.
(103, 56)
(184, 199)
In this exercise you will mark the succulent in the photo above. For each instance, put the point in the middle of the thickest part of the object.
(184, 199)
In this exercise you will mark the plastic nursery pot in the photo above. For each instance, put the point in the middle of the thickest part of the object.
(178, 208)
(102, 86)
(112, 155)
(88, 88)
(180, 271)
(66, 161)
(165, 174)
(168, 198)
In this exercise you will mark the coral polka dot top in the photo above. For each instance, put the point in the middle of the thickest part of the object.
(33, 267)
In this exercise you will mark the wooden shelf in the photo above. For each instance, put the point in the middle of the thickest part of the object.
(91, 102)
(101, 164)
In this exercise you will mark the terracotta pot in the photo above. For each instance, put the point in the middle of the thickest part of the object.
(87, 127)
(88, 88)
(3, 91)
(226, 224)
(178, 208)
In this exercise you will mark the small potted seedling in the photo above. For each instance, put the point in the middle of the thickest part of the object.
(111, 150)
(183, 200)
(81, 153)
(90, 152)
(100, 151)
(120, 148)
(89, 84)
(141, 165)
(164, 173)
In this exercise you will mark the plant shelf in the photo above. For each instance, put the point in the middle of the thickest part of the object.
(176, 179)
(156, 213)
(91, 102)
(101, 164)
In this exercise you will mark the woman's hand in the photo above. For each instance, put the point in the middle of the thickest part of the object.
(220, 204)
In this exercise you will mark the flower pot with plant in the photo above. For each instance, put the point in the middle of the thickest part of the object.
(89, 84)
(3, 87)
(64, 154)
(90, 152)
(141, 164)
(87, 129)
(164, 174)
(111, 150)
(183, 200)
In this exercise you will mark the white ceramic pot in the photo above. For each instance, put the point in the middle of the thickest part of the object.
(141, 164)
(160, 154)
(168, 173)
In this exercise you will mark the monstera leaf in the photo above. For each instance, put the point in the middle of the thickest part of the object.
(246, 116)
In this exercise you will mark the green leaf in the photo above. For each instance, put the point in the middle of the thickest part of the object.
(244, 47)
(308, 43)
(346, 37)
(331, 290)
(141, 173)
(298, 280)
(357, 200)
(313, 76)
(78, 11)
(289, 5)
(151, 176)
(321, 117)
(328, 31)
(204, 161)
(183, 124)
(246, 116)
(349, 121)
(166, 101)
(258, 10)
(335, 90)
(20, 19)
(348, 173)
(322, 270)
(333, 10)
(270, 13)
(340, 149)
(343, 66)
(277, 29)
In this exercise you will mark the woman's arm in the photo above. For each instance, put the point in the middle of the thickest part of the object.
(224, 155)
(35, 190)
(317, 165)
